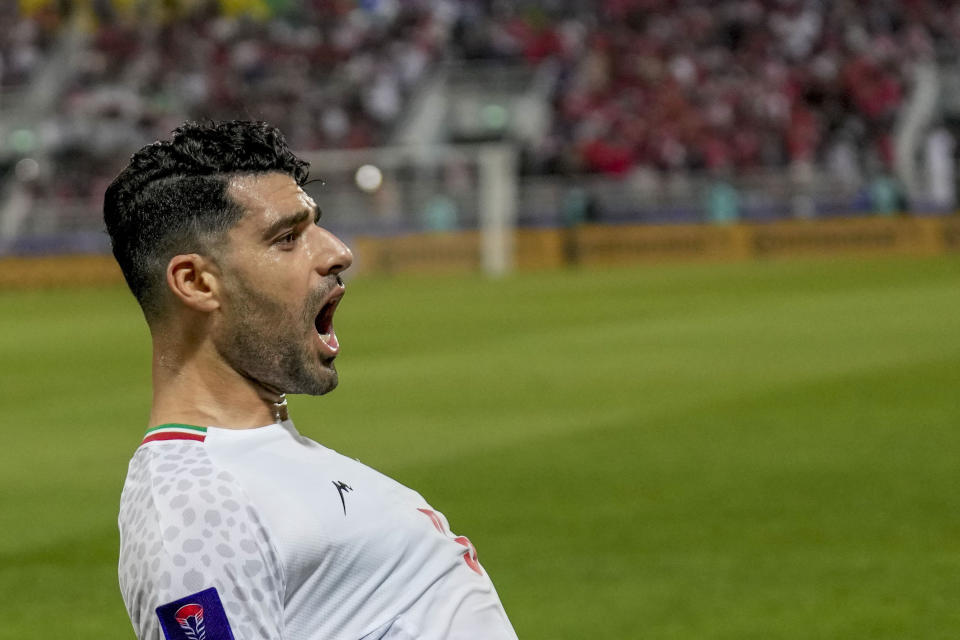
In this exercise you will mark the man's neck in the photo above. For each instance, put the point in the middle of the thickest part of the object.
(203, 390)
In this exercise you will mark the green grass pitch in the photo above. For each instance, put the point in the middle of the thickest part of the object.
(762, 450)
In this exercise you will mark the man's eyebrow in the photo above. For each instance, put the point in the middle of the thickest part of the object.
(288, 222)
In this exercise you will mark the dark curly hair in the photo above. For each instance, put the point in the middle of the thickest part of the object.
(172, 197)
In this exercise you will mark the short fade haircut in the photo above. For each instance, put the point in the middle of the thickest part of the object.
(172, 197)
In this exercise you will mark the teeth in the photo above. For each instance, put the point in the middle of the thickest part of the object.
(330, 339)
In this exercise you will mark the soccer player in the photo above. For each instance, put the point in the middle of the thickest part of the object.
(232, 524)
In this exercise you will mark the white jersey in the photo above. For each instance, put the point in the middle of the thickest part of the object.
(263, 534)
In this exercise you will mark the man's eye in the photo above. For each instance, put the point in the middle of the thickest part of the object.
(287, 238)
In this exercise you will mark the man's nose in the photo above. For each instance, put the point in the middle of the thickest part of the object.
(334, 255)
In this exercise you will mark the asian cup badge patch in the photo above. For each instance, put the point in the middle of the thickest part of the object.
(199, 616)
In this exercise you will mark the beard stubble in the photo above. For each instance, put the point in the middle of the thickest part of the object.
(268, 342)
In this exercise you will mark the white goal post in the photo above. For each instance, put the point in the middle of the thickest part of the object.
(388, 191)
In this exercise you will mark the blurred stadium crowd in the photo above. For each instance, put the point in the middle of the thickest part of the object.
(730, 86)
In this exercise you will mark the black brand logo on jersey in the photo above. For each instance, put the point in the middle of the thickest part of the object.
(341, 487)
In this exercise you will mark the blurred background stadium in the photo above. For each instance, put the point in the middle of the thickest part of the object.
(716, 397)
(622, 111)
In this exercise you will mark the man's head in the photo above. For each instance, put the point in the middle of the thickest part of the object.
(172, 198)
(214, 234)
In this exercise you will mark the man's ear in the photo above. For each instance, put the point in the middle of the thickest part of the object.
(192, 279)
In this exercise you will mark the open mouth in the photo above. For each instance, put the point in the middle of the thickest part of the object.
(324, 324)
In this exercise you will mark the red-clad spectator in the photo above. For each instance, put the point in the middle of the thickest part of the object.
(803, 134)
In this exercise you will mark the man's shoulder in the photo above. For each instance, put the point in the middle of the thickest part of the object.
(177, 476)
(171, 458)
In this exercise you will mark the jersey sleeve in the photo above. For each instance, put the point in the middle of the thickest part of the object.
(186, 527)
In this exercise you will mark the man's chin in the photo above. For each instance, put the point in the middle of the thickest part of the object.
(321, 382)
(326, 388)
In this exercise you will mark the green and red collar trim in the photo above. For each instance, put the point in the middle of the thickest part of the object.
(173, 431)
